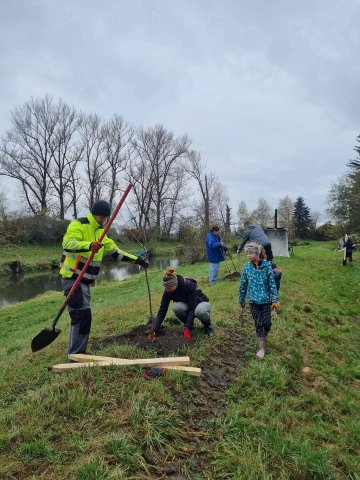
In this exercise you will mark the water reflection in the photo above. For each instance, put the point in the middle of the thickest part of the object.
(119, 271)
(20, 288)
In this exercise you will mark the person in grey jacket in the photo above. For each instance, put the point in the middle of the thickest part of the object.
(254, 233)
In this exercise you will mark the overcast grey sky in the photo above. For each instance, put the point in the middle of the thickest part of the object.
(268, 90)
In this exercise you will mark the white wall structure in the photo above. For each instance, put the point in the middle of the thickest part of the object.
(279, 238)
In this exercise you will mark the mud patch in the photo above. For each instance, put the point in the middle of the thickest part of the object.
(207, 406)
(209, 400)
(232, 276)
(169, 341)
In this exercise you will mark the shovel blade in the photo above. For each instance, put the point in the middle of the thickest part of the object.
(44, 338)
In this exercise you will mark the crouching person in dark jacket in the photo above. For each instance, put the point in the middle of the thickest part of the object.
(189, 302)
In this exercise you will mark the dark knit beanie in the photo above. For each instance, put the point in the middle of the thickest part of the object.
(101, 208)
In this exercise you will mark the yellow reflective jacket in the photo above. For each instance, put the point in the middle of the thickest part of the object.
(76, 244)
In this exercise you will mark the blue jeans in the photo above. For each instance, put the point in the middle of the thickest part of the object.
(213, 273)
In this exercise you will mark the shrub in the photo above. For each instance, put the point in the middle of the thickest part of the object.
(328, 231)
(32, 229)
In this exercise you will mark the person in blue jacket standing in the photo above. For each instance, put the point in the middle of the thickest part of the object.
(215, 251)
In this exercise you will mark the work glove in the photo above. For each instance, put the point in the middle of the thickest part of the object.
(238, 251)
(187, 334)
(95, 246)
(275, 305)
(151, 336)
(142, 261)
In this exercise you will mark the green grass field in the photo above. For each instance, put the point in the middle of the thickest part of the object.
(266, 420)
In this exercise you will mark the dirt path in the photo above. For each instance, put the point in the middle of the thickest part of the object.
(207, 393)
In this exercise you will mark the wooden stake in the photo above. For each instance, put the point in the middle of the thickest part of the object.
(196, 372)
(64, 367)
(145, 362)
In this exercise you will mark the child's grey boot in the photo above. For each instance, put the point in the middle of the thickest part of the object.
(261, 352)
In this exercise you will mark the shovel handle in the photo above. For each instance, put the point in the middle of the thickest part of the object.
(81, 274)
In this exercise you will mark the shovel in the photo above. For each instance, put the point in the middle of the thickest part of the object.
(48, 335)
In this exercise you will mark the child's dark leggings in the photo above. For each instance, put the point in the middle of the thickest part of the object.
(262, 318)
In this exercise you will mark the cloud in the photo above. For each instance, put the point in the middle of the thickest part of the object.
(268, 91)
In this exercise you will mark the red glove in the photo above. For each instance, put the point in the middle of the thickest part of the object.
(187, 334)
(153, 373)
(95, 246)
(275, 305)
(151, 336)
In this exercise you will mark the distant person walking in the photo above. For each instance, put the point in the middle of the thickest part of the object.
(349, 247)
(254, 233)
(80, 239)
(257, 285)
(215, 251)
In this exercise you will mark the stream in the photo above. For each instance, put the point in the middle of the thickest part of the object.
(18, 288)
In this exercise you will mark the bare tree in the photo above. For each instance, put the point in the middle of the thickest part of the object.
(140, 174)
(2, 204)
(66, 153)
(175, 201)
(117, 141)
(315, 218)
(26, 151)
(285, 212)
(92, 136)
(159, 155)
(263, 214)
(243, 214)
(205, 182)
(218, 203)
(227, 222)
(74, 186)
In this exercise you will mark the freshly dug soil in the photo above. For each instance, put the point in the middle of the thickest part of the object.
(166, 343)
(232, 276)
(208, 399)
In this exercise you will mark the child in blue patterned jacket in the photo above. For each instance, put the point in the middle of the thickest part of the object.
(257, 284)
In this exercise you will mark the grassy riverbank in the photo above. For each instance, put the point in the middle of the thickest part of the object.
(243, 419)
(31, 258)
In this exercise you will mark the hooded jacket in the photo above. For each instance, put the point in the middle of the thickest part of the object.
(258, 284)
(186, 292)
(254, 233)
(214, 248)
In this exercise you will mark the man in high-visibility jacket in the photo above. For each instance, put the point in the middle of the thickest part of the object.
(80, 239)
